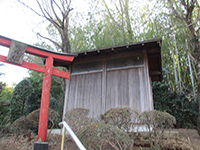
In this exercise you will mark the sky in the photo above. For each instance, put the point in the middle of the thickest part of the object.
(20, 24)
(15, 24)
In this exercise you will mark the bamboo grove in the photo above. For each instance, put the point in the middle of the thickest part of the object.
(109, 23)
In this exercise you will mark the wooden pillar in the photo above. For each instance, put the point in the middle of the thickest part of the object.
(44, 107)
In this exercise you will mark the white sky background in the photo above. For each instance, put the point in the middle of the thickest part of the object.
(19, 23)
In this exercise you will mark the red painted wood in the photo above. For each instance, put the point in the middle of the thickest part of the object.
(44, 107)
(5, 42)
(38, 68)
(62, 74)
(49, 71)
(39, 53)
(44, 54)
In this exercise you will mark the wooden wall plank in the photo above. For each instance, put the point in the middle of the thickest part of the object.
(85, 92)
(101, 91)
(134, 91)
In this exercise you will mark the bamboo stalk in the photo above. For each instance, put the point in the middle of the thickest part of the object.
(191, 74)
(179, 72)
(175, 73)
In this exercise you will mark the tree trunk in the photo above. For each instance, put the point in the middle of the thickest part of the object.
(129, 28)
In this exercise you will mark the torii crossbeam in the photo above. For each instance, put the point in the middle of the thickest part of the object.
(15, 57)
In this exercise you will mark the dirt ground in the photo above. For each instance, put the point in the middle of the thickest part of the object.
(189, 137)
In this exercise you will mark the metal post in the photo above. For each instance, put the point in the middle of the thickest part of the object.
(74, 137)
(44, 107)
(63, 138)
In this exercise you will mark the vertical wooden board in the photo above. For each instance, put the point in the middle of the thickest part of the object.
(96, 95)
(71, 93)
(92, 93)
(108, 91)
(112, 86)
(103, 87)
(149, 98)
(123, 91)
(123, 88)
(75, 92)
(85, 92)
(145, 98)
(142, 89)
(134, 89)
(66, 99)
(80, 89)
(151, 95)
(117, 89)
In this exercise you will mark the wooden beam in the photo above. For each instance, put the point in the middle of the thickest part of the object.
(48, 71)
(5, 42)
(35, 67)
(44, 107)
(38, 52)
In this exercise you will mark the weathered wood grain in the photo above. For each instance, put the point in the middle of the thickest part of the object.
(101, 91)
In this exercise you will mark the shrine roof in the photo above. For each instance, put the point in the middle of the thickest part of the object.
(152, 47)
(39, 48)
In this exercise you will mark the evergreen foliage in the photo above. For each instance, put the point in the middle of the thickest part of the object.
(98, 135)
(5, 99)
(22, 92)
(30, 123)
(183, 108)
(56, 94)
(2, 86)
(105, 27)
(125, 118)
(156, 122)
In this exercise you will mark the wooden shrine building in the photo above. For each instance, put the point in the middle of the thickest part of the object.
(112, 77)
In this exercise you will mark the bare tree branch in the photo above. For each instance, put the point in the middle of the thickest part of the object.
(30, 8)
(109, 13)
(187, 51)
(52, 20)
(174, 10)
(55, 43)
(52, 7)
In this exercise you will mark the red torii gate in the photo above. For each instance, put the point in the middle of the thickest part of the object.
(15, 57)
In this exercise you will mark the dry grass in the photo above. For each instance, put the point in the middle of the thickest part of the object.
(187, 138)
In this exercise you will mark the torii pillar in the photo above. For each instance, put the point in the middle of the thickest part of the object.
(15, 57)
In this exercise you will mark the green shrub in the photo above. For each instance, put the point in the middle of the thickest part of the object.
(20, 126)
(102, 136)
(33, 119)
(31, 122)
(21, 94)
(4, 129)
(124, 118)
(77, 118)
(181, 105)
(156, 122)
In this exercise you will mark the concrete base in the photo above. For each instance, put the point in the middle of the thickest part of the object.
(140, 129)
(40, 146)
(55, 131)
